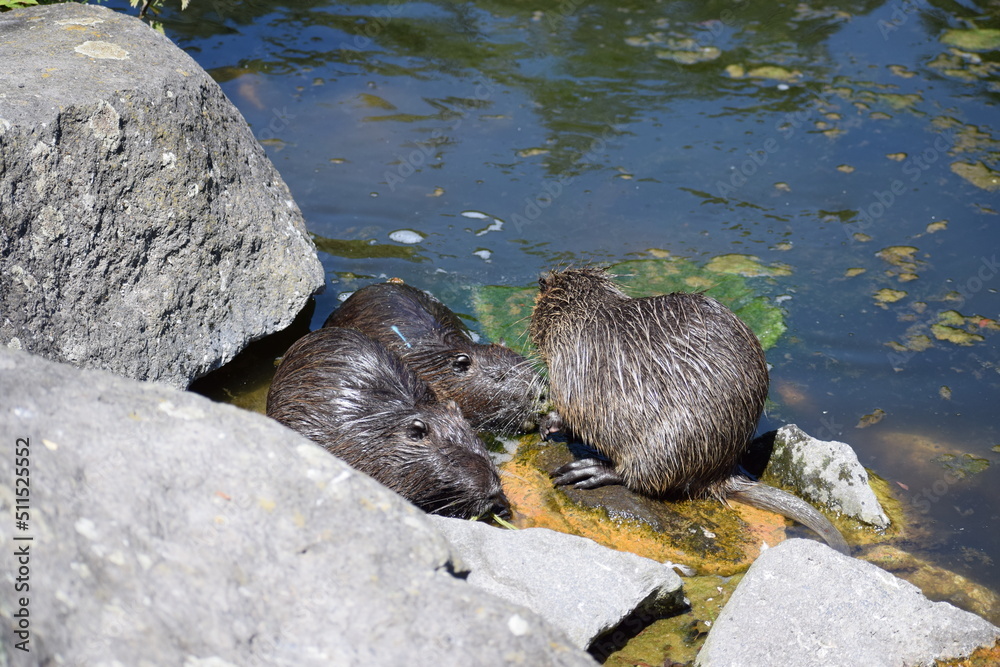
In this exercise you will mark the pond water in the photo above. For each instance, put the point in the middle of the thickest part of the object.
(853, 144)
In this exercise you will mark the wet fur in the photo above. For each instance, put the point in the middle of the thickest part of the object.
(348, 393)
(496, 388)
(669, 388)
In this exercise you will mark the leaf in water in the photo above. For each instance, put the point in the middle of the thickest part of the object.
(689, 56)
(855, 271)
(736, 71)
(886, 295)
(869, 420)
(985, 39)
(898, 101)
(955, 335)
(918, 343)
(945, 392)
(900, 256)
(504, 312)
(531, 152)
(978, 174)
(774, 72)
(937, 226)
(375, 102)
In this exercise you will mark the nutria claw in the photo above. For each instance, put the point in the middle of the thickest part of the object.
(586, 474)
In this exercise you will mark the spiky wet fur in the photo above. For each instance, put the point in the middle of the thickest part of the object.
(348, 393)
(669, 388)
(499, 391)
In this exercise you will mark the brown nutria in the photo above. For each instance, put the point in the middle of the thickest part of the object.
(348, 393)
(496, 388)
(669, 388)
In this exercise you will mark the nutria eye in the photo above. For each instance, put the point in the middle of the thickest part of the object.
(417, 430)
(461, 363)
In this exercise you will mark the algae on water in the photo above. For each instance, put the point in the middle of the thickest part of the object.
(504, 312)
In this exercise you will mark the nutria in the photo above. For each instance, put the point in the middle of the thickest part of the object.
(669, 388)
(348, 393)
(496, 388)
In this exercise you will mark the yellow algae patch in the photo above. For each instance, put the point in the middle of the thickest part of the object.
(746, 265)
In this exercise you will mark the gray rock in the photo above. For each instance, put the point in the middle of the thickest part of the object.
(169, 530)
(583, 588)
(826, 472)
(142, 228)
(802, 604)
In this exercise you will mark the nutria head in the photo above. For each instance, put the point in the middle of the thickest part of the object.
(348, 393)
(496, 388)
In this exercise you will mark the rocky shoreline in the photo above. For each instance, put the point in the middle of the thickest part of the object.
(146, 239)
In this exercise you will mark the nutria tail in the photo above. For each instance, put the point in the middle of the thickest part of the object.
(769, 498)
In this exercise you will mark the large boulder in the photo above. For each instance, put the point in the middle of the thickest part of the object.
(142, 228)
(802, 604)
(160, 528)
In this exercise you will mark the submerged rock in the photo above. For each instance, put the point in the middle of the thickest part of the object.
(804, 604)
(577, 585)
(144, 229)
(170, 530)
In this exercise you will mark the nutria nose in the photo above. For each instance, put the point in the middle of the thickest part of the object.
(501, 506)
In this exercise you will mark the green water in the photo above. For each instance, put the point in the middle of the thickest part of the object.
(511, 137)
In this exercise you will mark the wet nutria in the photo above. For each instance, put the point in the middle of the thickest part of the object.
(347, 392)
(496, 388)
(669, 388)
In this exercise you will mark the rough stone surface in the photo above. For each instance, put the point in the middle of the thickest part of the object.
(142, 228)
(826, 472)
(170, 530)
(576, 584)
(802, 604)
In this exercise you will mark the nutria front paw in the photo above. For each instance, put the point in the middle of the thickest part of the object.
(586, 474)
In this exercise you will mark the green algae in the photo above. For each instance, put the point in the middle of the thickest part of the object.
(504, 311)
(981, 39)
